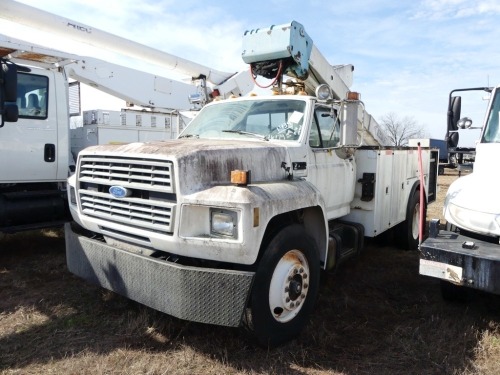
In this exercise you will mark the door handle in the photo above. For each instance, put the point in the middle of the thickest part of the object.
(50, 153)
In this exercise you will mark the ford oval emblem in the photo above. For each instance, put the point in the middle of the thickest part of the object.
(119, 191)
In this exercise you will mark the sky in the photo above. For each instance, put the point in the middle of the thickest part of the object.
(408, 55)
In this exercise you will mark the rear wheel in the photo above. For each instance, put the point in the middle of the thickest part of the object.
(408, 231)
(285, 287)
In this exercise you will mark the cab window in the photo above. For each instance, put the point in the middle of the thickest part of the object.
(325, 129)
(32, 94)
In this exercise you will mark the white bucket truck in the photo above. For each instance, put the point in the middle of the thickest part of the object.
(233, 222)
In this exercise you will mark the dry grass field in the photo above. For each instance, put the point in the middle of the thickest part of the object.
(374, 316)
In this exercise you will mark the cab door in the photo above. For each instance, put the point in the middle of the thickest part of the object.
(28, 147)
(332, 175)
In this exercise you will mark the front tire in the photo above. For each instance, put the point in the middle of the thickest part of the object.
(285, 288)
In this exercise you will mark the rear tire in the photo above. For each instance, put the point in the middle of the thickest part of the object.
(285, 287)
(408, 231)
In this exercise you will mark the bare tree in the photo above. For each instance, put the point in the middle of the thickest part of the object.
(400, 130)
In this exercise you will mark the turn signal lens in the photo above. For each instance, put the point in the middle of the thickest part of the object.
(352, 95)
(240, 177)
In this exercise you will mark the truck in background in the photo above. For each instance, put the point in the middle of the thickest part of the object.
(40, 145)
(460, 157)
(233, 222)
(437, 144)
(451, 154)
(466, 253)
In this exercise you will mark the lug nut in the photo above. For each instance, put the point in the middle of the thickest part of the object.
(287, 300)
(306, 285)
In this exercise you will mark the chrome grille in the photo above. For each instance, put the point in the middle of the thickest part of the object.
(155, 175)
(151, 205)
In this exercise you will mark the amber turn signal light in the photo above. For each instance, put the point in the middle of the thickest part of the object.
(239, 177)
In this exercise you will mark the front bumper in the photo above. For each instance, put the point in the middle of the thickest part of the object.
(205, 295)
(461, 260)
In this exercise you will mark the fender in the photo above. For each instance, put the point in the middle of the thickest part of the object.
(262, 202)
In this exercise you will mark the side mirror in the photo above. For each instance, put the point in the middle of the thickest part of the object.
(11, 112)
(8, 92)
(464, 123)
(8, 78)
(454, 110)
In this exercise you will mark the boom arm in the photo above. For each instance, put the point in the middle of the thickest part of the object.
(136, 87)
(226, 83)
(288, 50)
(290, 46)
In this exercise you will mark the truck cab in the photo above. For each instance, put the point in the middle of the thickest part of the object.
(469, 204)
(32, 183)
(38, 142)
(465, 251)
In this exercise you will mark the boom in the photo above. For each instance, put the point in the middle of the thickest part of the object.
(288, 50)
(135, 87)
(226, 83)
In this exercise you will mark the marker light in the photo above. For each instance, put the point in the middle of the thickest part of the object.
(239, 177)
(353, 95)
(215, 93)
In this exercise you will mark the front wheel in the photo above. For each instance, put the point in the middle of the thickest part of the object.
(285, 288)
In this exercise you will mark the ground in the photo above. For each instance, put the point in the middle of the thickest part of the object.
(374, 316)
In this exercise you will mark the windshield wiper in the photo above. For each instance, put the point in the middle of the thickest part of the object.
(189, 136)
(257, 135)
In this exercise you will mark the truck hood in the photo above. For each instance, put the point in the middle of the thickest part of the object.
(200, 163)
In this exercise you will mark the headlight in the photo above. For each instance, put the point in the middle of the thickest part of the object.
(475, 221)
(223, 223)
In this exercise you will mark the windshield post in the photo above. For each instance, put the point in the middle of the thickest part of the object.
(491, 133)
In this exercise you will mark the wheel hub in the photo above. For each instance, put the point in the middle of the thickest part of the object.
(416, 221)
(289, 286)
(295, 287)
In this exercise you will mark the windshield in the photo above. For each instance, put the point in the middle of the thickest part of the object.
(265, 119)
(491, 132)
